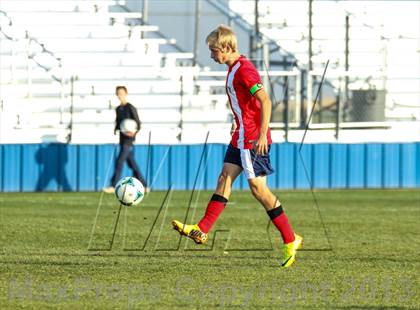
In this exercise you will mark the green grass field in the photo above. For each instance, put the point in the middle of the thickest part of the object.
(55, 253)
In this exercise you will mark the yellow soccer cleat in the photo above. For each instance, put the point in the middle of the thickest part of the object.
(290, 250)
(191, 231)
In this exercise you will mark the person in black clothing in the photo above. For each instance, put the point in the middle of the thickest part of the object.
(125, 111)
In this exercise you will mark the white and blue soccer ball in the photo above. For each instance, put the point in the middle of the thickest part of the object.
(129, 191)
(128, 125)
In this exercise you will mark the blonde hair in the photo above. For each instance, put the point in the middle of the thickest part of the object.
(222, 38)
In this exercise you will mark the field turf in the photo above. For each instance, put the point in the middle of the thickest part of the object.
(361, 252)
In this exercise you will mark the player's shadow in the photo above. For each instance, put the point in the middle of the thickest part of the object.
(52, 165)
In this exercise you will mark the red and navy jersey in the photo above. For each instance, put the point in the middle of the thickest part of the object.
(242, 82)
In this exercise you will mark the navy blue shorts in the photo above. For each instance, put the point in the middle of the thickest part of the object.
(253, 165)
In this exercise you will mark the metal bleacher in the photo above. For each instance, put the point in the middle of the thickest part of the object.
(380, 57)
(60, 62)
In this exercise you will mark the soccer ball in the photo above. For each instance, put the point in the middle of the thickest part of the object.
(129, 191)
(128, 125)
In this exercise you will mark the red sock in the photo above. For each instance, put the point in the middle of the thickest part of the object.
(279, 219)
(214, 208)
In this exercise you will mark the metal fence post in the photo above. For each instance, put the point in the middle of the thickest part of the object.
(299, 95)
(181, 107)
(302, 99)
(29, 68)
(70, 127)
(338, 111)
(196, 30)
(144, 17)
(266, 65)
(346, 66)
(286, 109)
(309, 95)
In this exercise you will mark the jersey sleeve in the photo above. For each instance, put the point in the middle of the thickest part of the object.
(251, 79)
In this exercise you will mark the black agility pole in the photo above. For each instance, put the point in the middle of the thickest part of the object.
(308, 178)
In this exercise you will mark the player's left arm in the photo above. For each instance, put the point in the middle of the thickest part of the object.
(252, 81)
(261, 146)
(136, 118)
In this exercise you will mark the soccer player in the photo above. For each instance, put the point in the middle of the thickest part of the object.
(125, 111)
(249, 148)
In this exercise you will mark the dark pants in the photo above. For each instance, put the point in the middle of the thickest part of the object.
(126, 154)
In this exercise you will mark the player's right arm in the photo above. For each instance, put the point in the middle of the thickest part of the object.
(265, 102)
(117, 122)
